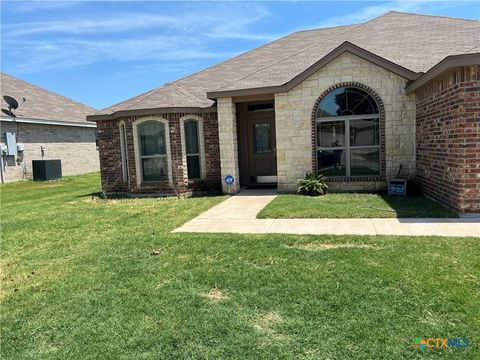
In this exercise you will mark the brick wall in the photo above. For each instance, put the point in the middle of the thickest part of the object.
(75, 146)
(448, 138)
(111, 160)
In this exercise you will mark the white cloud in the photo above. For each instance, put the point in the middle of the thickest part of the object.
(224, 22)
(370, 12)
(68, 53)
(83, 38)
(39, 5)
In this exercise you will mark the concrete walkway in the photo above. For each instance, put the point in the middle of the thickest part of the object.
(238, 215)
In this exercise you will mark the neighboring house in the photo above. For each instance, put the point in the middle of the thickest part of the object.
(353, 102)
(47, 126)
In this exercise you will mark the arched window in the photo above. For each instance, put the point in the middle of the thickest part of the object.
(347, 128)
(153, 150)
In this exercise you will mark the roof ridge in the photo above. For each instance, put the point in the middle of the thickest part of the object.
(473, 48)
(296, 51)
(175, 82)
(324, 28)
(151, 92)
(428, 15)
(295, 54)
(235, 57)
(352, 27)
(144, 96)
(139, 96)
(154, 91)
(147, 93)
(49, 91)
(188, 92)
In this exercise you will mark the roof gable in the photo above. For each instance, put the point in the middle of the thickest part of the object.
(41, 103)
(345, 47)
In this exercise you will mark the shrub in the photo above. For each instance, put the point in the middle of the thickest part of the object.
(312, 184)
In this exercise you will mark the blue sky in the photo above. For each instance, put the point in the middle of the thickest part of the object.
(100, 53)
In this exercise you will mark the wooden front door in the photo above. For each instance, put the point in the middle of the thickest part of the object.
(257, 143)
(262, 162)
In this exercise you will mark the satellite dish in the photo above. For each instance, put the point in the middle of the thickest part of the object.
(12, 103)
(8, 112)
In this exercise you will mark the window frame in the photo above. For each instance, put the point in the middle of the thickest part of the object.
(201, 146)
(347, 147)
(123, 149)
(139, 157)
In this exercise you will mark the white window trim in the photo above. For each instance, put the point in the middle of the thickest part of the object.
(138, 163)
(201, 141)
(123, 150)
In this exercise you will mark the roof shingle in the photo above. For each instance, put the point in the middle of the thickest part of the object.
(41, 103)
(416, 42)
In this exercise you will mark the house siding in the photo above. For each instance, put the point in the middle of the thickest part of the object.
(75, 146)
(111, 158)
(448, 138)
(293, 113)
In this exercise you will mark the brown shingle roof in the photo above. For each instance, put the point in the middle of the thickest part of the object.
(415, 42)
(41, 103)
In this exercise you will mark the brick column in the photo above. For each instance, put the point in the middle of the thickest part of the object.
(227, 132)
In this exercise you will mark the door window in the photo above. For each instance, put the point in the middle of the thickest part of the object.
(262, 138)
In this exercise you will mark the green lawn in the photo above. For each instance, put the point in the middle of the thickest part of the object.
(92, 279)
(352, 205)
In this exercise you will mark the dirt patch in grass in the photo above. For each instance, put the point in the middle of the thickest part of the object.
(316, 246)
(215, 295)
(266, 324)
(270, 318)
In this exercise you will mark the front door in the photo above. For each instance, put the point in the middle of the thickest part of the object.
(262, 162)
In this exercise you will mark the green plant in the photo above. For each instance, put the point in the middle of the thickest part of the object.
(312, 184)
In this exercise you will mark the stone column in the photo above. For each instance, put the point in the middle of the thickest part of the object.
(227, 133)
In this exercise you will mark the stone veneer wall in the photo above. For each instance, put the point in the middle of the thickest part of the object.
(111, 161)
(448, 138)
(74, 145)
(227, 132)
(293, 113)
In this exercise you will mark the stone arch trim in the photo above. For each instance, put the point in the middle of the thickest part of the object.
(381, 109)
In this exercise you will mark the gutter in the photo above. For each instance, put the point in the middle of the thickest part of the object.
(446, 64)
(152, 111)
(49, 122)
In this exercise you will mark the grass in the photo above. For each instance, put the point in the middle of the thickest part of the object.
(353, 205)
(93, 279)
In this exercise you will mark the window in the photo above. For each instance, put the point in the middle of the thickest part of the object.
(192, 149)
(153, 151)
(260, 107)
(262, 134)
(347, 127)
(123, 150)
